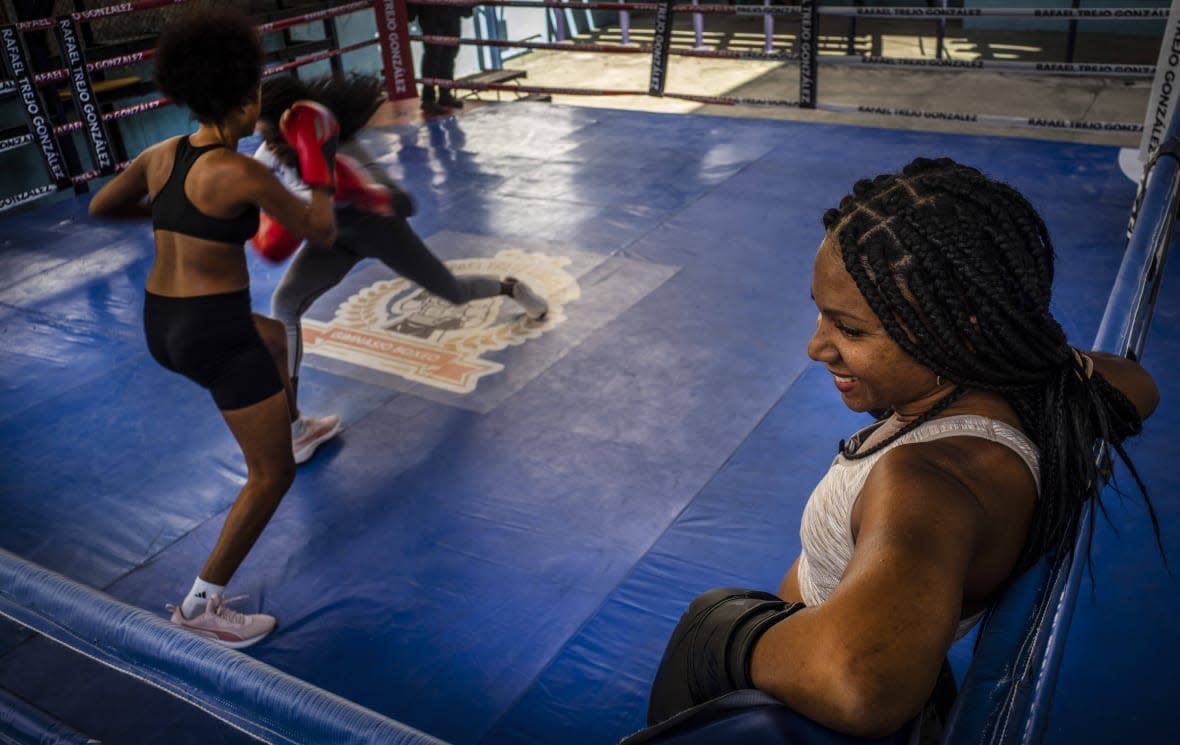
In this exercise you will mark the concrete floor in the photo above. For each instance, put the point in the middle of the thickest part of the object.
(999, 93)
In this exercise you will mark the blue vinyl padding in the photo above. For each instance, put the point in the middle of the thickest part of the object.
(748, 717)
(511, 574)
(267, 704)
(21, 722)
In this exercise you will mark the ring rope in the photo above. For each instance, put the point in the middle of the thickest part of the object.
(11, 143)
(248, 695)
(53, 76)
(1057, 68)
(318, 57)
(1074, 69)
(533, 89)
(984, 119)
(565, 46)
(93, 14)
(1048, 14)
(27, 723)
(842, 108)
(809, 59)
(156, 103)
(9, 86)
(317, 15)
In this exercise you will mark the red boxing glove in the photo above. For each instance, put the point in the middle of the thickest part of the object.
(272, 241)
(312, 130)
(353, 186)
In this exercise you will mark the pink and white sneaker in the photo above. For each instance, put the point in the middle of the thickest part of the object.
(225, 626)
(307, 434)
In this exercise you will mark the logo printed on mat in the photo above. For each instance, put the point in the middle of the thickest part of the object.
(394, 326)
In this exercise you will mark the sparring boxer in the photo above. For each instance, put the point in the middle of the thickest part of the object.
(371, 214)
(204, 198)
(933, 287)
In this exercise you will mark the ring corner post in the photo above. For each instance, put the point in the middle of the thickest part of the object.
(18, 68)
(393, 28)
(1162, 100)
(808, 53)
(661, 43)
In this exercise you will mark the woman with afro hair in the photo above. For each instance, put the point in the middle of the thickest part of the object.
(365, 230)
(203, 198)
(933, 287)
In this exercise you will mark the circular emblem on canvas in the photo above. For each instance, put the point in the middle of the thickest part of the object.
(397, 327)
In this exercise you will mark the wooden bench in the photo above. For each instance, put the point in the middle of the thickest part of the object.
(495, 77)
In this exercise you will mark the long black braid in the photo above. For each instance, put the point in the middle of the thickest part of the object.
(959, 269)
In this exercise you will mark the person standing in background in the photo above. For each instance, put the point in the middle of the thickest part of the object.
(438, 60)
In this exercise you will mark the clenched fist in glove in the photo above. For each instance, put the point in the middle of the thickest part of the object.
(710, 649)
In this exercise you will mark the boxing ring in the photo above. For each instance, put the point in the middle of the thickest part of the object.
(499, 543)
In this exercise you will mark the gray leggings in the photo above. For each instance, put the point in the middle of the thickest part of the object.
(365, 235)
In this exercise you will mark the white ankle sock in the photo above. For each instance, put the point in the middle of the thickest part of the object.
(197, 597)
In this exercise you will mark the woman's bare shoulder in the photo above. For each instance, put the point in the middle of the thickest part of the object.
(978, 491)
(163, 147)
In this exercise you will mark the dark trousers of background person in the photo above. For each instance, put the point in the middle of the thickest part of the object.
(438, 60)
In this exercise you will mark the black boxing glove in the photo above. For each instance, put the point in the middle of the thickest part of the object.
(710, 649)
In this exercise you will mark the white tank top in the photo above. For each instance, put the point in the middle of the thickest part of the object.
(826, 527)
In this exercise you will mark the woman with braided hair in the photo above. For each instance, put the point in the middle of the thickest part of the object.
(933, 287)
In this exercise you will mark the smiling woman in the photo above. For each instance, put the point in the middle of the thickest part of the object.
(933, 287)
(853, 345)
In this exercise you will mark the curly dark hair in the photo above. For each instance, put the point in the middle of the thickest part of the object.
(209, 60)
(353, 98)
(959, 269)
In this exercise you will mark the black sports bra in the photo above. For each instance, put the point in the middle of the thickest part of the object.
(172, 210)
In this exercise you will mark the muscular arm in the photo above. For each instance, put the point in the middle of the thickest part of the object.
(788, 589)
(124, 197)
(230, 182)
(314, 221)
(865, 661)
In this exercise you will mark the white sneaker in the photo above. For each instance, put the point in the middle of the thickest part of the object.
(307, 434)
(225, 626)
(534, 305)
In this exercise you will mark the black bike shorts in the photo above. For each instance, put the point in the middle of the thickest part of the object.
(212, 340)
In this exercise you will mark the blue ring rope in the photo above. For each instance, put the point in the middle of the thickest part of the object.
(255, 698)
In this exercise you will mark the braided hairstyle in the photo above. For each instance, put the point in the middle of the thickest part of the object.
(959, 269)
(209, 61)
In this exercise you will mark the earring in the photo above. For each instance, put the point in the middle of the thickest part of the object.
(938, 381)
